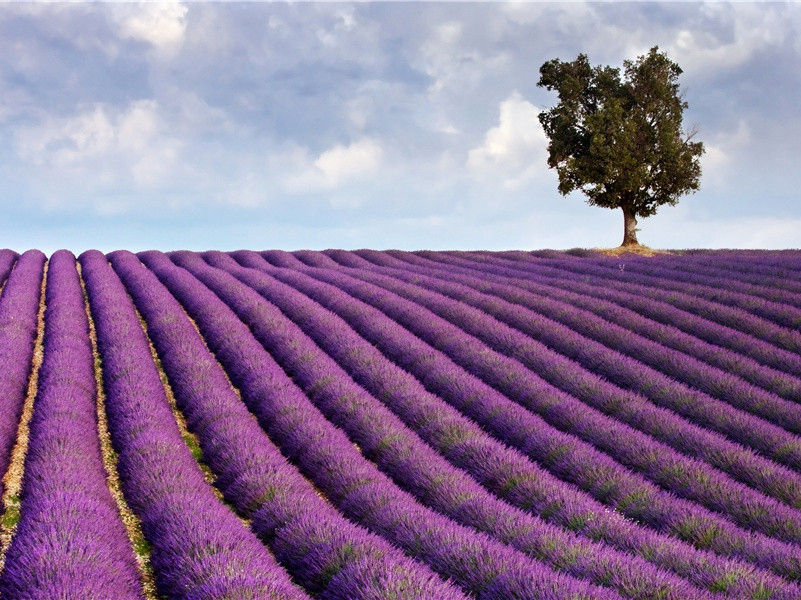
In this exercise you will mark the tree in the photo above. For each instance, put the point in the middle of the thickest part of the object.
(619, 140)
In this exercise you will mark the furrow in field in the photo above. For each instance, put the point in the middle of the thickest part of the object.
(132, 523)
(777, 270)
(596, 316)
(477, 562)
(188, 436)
(286, 510)
(761, 295)
(726, 339)
(22, 309)
(70, 540)
(706, 305)
(579, 362)
(568, 414)
(746, 506)
(578, 315)
(7, 260)
(719, 286)
(780, 290)
(506, 473)
(415, 412)
(199, 548)
(772, 271)
(756, 471)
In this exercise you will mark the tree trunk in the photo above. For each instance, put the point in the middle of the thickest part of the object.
(629, 228)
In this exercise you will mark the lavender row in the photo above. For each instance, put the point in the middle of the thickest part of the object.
(778, 305)
(772, 265)
(777, 267)
(459, 440)
(726, 339)
(7, 260)
(771, 287)
(746, 288)
(508, 475)
(19, 309)
(689, 479)
(478, 563)
(552, 341)
(572, 416)
(353, 260)
(739, 267)
(598, 312)
(70, 541)
(199, 547)
(251, 471)
(693, 300)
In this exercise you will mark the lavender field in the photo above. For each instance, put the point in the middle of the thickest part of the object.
(395, 425)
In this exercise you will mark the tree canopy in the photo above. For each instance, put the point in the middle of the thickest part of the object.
(618, 138)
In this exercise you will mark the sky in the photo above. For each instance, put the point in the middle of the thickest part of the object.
(381, 125)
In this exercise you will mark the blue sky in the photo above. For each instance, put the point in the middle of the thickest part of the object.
(371, 125)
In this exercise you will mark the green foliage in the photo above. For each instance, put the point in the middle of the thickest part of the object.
(619, 139)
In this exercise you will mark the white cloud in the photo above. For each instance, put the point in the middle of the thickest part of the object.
(720, 153)
(161, 24)
(453, 61)
(342, 163)
(514, 151)
(101, 145)
(750, 28)
(333, 168)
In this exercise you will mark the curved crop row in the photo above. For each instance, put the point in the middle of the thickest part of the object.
(478, 563)
(779, 308)
(625, 339)
(778, 269)
(506, 473)
(693, 480)
(773, 285)
(200, 548)
(454, 437)
(545, 344)
(688, 437)
(781, 290)
(19, 310)
(726, 339)
(572, 416)
(719, 288)
(70, 540)
(591, 315)
(253, 474)
(726, 314)
(7, 260)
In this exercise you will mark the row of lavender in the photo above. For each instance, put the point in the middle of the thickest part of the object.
(410, 469)
(760, 513)
(70, 540)
(380, 396)
(279, 345)
(505, 350)
(276, 344)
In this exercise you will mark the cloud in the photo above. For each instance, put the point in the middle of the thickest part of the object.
(514, 151)
(333, 168)
(720, 153)
(725, 36)
(454, 61)
(160, 24)
(101, 146)
(342, 163)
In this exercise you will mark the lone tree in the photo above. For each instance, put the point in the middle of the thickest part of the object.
(620, 140)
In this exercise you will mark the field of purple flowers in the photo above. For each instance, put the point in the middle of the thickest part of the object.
(366, 425)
